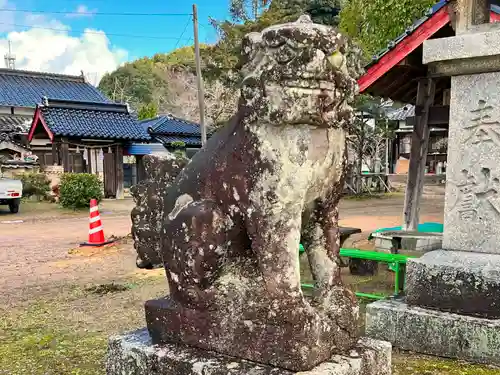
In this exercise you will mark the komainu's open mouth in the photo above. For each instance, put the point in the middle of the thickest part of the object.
(311, 84)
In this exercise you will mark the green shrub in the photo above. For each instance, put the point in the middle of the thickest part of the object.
(77, 189)
(35, 184)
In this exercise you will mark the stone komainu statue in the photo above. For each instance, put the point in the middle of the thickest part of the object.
(234, 216)
(160, 172)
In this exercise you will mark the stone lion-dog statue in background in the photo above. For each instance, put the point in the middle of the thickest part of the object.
(234, 216)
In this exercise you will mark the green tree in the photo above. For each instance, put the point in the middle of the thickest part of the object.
(147, 111)
(244, 10)
(374, 23)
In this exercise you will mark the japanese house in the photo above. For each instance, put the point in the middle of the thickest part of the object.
(86, 137)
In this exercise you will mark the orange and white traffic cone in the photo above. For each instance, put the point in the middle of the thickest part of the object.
(96, 230)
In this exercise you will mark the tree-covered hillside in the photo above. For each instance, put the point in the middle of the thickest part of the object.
(168, 82)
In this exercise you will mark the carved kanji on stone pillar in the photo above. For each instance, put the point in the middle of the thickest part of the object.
(467, 13)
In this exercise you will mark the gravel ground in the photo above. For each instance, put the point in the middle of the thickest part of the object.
(41, 253)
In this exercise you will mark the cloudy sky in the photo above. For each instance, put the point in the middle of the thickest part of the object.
(67, 36)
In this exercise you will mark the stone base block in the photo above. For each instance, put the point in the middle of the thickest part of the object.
(433, 332)
(134, 354)
(297, 340)
(407, 240)
(455, 281)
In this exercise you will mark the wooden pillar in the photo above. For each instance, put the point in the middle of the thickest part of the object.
(141, 172)
(119, 172)
(65, 155)
(89, 161)
(56, 160)
(418, 154)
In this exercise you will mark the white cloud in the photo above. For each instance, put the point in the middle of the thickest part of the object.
(81, 11)
(48, 46)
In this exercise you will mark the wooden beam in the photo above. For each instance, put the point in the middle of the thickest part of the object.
(438, 115)
(119, 171)
(418, 155)
(65, 155)
(405, 88)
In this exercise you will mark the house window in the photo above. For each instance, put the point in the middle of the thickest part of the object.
(405, 144)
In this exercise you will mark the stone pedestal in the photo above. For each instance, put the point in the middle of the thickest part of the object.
(434, 332)
(134, 354)
(456, 281)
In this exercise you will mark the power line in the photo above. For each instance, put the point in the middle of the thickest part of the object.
(90, 32)
(182, 34)
(91, 13)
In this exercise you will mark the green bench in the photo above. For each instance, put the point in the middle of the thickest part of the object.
(397, 263)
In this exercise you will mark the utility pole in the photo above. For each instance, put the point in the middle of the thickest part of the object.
(10, 59)
(199, 78)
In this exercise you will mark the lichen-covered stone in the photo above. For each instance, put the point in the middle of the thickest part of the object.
(160, 171)
(236, 213)
(455, 281)
(134, 354)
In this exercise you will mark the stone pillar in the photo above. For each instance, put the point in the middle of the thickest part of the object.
(452, 306)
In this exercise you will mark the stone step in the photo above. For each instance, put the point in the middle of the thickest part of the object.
(433, 332)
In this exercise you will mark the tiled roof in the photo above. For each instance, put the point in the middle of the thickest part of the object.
(92, 120)
(168, 124)
(168, 129)
(402, 113)
(15, 123)
(24, 89)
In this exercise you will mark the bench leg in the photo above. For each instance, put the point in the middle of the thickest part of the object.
(361, 267)
(399, 279)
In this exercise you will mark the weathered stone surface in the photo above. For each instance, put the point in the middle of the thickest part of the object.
(298, 337)
(472, 206)
(455, 281)
(472, 209)
(433, 332)
(464, 46)
(160, 172)
(234, 216)
(134, 354)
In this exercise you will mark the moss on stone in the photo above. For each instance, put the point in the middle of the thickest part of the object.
(411, 364)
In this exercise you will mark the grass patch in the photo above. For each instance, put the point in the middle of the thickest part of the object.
(411, 364)
(32, 343)
(103, 289)
(67, 333)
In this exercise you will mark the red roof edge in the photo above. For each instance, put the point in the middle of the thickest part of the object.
(408, 45)
(39, 118)
(404, 48)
